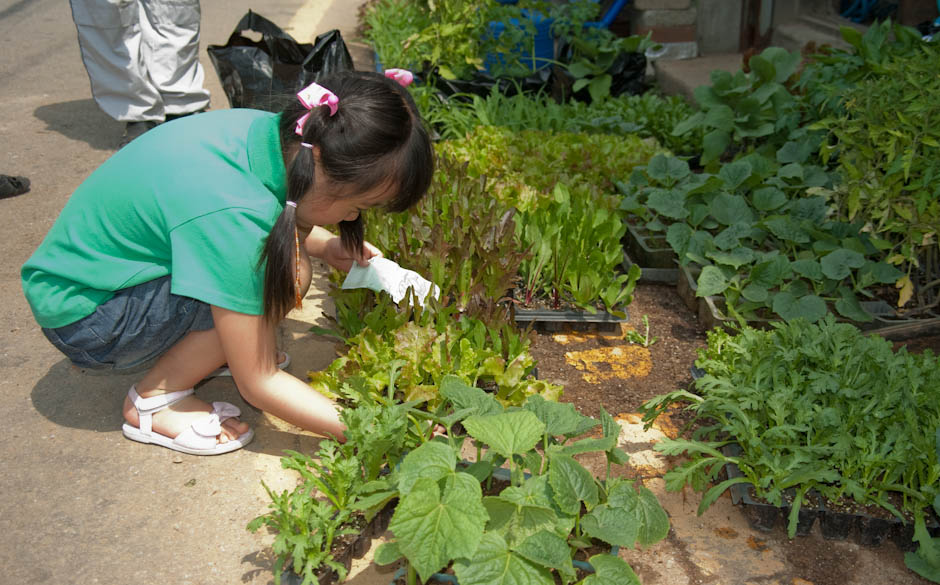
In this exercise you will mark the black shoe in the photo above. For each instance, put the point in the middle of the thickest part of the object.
(12, 186)
(134, 129)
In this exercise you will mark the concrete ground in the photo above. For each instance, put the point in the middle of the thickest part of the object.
(82, 505)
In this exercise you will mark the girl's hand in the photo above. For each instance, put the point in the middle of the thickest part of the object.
(338, 257)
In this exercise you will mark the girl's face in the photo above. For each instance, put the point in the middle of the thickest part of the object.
(329, 203)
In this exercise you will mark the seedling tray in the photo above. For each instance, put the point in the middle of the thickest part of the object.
(859, 527)
(648, 250)
(355, 550)
(548, 321)
(652, 275)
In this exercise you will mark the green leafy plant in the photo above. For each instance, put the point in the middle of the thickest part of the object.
(759, 234)
(552, 505)
(644, 339)
(819, 407)
(594, 51)
(887, 147)
(746, 110)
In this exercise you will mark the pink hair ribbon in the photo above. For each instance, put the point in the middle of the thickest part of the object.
(402, 76)
(313, 96)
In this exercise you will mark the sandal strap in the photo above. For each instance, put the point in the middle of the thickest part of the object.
(146, 407)
(204, 433)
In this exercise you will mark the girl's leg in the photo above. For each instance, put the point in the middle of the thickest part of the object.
(185, 364)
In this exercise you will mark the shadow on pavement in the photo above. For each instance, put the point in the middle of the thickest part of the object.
(82, 120)
(70, 398)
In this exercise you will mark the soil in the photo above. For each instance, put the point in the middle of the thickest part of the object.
(657, 369)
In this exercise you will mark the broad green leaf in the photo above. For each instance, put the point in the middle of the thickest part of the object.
(714, 144)
(849, 306)
(571, 484)
(610, 570)
(588, 446)
(668, 202)
(433, 528)
(678, 236)
(755, 293)
(880, 272)
(432, 460)
(730, 209)
(721, 116)
(464, 396)
(784, 228)
(613, 525)
(770, 272)
(735, 258)
(387, 553)
(734, 174)
(711, 281)
(560, 418)
(730, 237)
(808, 268)
(517, 522)
(509, 433)
(809, 307)
(494, 564)
(651, 519)
(547, 549)
(768, 198)
(667, 169)
(838, 264)
(796, 151)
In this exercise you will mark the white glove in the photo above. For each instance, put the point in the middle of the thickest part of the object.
(383, 274)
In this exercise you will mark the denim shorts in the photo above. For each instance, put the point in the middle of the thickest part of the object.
(132, 328)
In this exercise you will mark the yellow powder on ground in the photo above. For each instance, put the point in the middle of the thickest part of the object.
(607, 363)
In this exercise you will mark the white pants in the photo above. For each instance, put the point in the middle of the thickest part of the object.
(142, 56)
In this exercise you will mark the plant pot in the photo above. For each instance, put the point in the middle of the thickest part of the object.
(873, 531)
(543, 51)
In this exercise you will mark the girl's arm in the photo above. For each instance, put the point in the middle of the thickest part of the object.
(249, 345)
(323, 244)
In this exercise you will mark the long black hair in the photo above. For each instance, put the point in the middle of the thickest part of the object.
(376, 138)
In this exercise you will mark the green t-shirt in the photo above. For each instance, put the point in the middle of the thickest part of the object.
(194, 199)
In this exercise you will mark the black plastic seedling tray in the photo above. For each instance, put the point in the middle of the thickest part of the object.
(548, 321)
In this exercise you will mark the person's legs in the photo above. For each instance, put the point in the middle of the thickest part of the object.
(185, 364)
(109, 36)
(170, 50)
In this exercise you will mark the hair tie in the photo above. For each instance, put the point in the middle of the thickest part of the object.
(313, 96)
(291, 203)
(307, 145)
(402, 76)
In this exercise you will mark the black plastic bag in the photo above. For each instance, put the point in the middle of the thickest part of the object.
(264, 74)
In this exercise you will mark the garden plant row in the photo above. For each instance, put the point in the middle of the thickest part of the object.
(529, 207)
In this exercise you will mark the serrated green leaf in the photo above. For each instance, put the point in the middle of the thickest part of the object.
(644, 508)
(560, 418)
(768, 198)
(839, 264)
(464, 396)
(734, 174)
(571, 484)
(432, 460)
(387, 553)
(547, 549)
(610, 570)
(434, 527)
(711, 281)
(730, 209)
(494, 564)
(668, 202)
(508, 433)
(613, 525)
(809, 307)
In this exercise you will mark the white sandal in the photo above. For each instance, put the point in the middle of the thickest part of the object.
(202, 436)
(224, 371)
